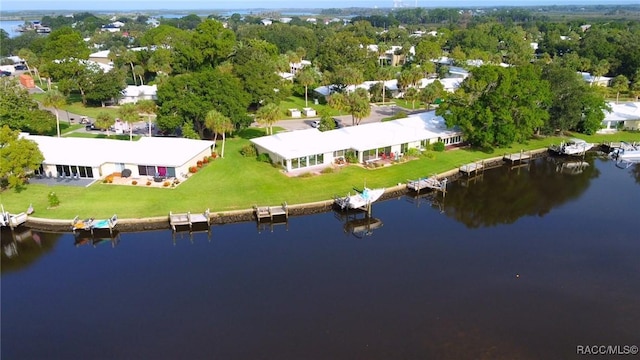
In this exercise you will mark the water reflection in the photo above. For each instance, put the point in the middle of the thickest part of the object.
(357, 222)
(22, 247)
(505, 194)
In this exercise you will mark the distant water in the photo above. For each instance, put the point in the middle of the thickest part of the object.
(10, 26)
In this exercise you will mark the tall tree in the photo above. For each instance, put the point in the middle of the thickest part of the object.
(268, 115)
(218, 124)
(65, 43)
(497, 106)
(620, 84)
(18, 157)
(430, 93)
(105, 120)
(307, 76)
(575, 105)
(412, 95)
(54, 99)
(355, 103)
(129, 114)
(188, 97)
(149, 108)
(21, 112)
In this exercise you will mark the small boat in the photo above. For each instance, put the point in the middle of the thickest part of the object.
(627, 152)
(78, 224)
(359, 200)
(12, 220)
(572, 147)
(105, 223)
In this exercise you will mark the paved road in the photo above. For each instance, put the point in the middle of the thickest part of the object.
(377, 113)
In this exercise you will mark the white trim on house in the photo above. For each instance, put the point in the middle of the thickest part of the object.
(308, 149)
(105, 156)
(132, 94)
(625, 115)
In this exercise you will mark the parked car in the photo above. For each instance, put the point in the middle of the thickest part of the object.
(4, 73)
(20, 67)
(315, 123)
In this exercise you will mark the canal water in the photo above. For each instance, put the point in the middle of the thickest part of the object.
(519, 263)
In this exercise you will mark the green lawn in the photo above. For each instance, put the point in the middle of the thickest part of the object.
(236, 182)
(75, 106)
(294, 102)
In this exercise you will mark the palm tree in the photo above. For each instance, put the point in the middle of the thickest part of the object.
(130, 57)
(306, 77)
(384, 74)
(56, 100)
(268, 115)
(218, 123)
(149, 108)
(128, 113)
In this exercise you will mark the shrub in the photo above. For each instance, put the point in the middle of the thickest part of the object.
(413, 152)
(264, 158)
(351, 157)
(193, 169)
(166, 183)
(305, 175)
(134, 182)
(53, 199)
(439, 146)
(327, 170)
(148, 183)
(205, 160)
(199, 163)
(214, 154)
(248, 151)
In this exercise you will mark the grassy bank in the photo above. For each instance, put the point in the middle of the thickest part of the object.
(236, 182)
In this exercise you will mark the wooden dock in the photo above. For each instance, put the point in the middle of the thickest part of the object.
(432, 183)
(472, 168)
(271, 215)
(517, 157)
(188, 219)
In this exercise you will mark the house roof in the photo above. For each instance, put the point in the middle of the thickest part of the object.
(295, 144)
(157, 151)
(623, 112)
(140, 90)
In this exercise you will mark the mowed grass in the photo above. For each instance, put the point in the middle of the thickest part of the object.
(75, 106)
(236, 182)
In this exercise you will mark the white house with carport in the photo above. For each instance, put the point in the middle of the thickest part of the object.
(622, 116)
(308, 150)
(96, 158)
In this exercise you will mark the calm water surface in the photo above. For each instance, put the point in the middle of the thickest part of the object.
(521, 264)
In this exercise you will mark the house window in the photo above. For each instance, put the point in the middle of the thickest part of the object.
(404, 147)
(303, 161)
(369, 154)
(312, 160)
(338, 153)
(295, 163)
(320, 159)
(424, 143)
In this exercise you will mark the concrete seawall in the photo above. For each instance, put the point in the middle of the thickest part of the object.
(246, 215)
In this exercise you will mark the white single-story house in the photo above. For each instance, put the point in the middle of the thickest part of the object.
(595, 80)
(132, 94)
(392, 90)
(100, 57)
(96, 158)
(624, 115)
(312, 149)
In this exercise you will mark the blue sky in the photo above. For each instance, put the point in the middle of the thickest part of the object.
(13, 5)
